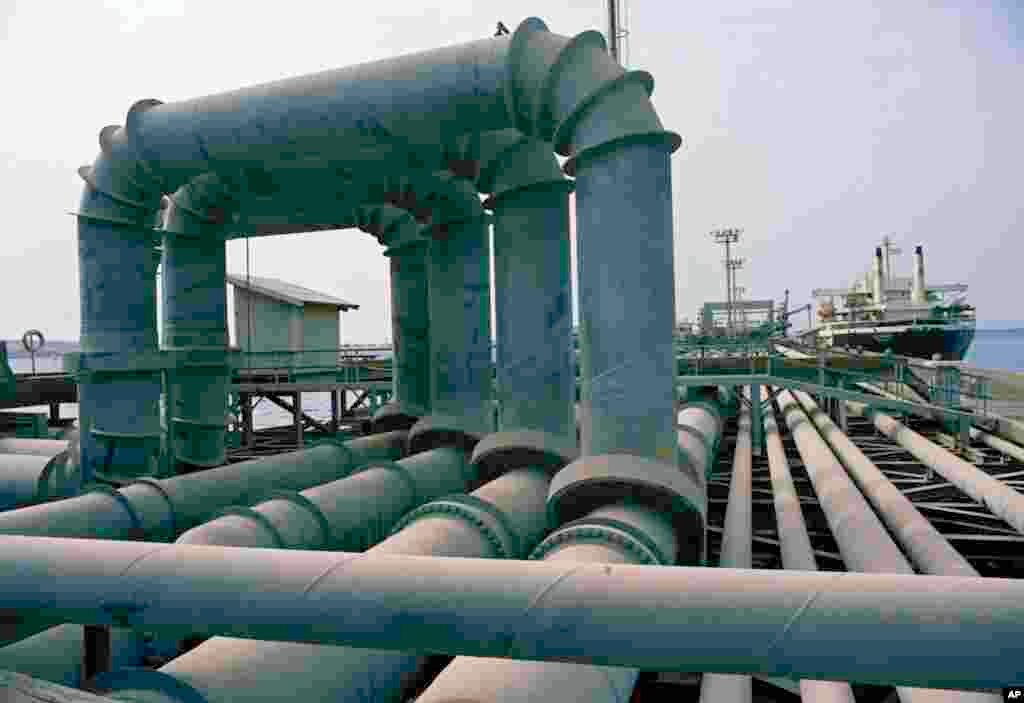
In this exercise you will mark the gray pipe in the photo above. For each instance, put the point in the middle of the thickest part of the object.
(164, 508)
(863, 541)
(928, 549)
(1002, 500)
(30, 478)
(509, 509)
(918, 293)
(1008, 448)
(965, 634)
(879, 277)
(351, 513)
(35, 447)
(736, 553)
(795, 544)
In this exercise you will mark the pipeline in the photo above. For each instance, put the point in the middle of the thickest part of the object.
(39, 470)
(1002, 500)
(162, 508)
(736, 553)
(795, 544)
(863, 541)
(503, 518)
(661, 523)
(928, 549)
(1014, 451)
(964, 634)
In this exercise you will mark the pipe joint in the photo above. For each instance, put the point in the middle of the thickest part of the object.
(484, 517)
(600, 530)
(500, 452)
(436, 431)
(309, 506)
(170, 528)
(121, 187)
(136, 531)
(403, 474)
(594, 482)
(256, 517)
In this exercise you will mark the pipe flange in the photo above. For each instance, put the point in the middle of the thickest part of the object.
(137, 530)
(593, 482)
(500, 452)
(395, 416)
(159, 487)
(621, 530)
(254, 515)
(130, 678)
(551, 186)
(486, 518)
(436, 431)
(314, 509)
(403, 474)
(590, 532)
(658, 138)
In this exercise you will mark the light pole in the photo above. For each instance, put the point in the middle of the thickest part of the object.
(728, 237)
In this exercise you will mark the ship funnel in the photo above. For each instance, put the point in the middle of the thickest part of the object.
(918, 294)
(879, 278)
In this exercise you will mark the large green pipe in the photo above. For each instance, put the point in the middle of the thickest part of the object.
(965, 633)
(862, 538)
(505, 514)
(349, 514)
(164, 508)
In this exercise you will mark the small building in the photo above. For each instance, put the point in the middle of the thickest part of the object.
(276, 316)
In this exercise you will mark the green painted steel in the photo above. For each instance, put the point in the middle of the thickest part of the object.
(349, 514)
(162, 508)
(508, 510)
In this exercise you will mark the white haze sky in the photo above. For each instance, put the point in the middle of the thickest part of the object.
(816, 126)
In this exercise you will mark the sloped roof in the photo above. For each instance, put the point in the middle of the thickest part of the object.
(288, 292)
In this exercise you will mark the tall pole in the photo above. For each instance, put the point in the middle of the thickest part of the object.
(613, 30)
(728, 237)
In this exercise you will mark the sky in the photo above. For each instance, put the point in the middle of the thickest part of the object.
(816, 127)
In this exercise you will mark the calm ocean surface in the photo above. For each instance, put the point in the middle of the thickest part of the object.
(992, 350)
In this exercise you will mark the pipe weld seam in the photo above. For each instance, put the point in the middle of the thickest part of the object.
(123, 501)
(304, 502)
(586, 531)
(254, 515)
(403, 475)
(475, 511)
(159, 487)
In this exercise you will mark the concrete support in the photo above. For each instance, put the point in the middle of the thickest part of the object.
(795, 545)
(533, 308)
(737, 548)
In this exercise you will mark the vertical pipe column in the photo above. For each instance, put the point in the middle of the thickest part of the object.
(879, 278)
(533, 309)
(119, 394)
(195, 324)
(918, 293)
(459, 302)
(627, 300)
(737, 549)
(410, 331)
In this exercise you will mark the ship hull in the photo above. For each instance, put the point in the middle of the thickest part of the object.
(923, 342)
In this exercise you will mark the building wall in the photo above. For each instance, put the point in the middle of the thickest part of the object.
(277, 326)
(320, 331)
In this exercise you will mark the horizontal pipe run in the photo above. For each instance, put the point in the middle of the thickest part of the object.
(936, 631)
(1014, 451)
(927, 548)
(33, 478)
(795, 544)
(351, 513)
(162, 509)
(276, 671)
(736, 552)
(35, 447)
(1002, 500)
